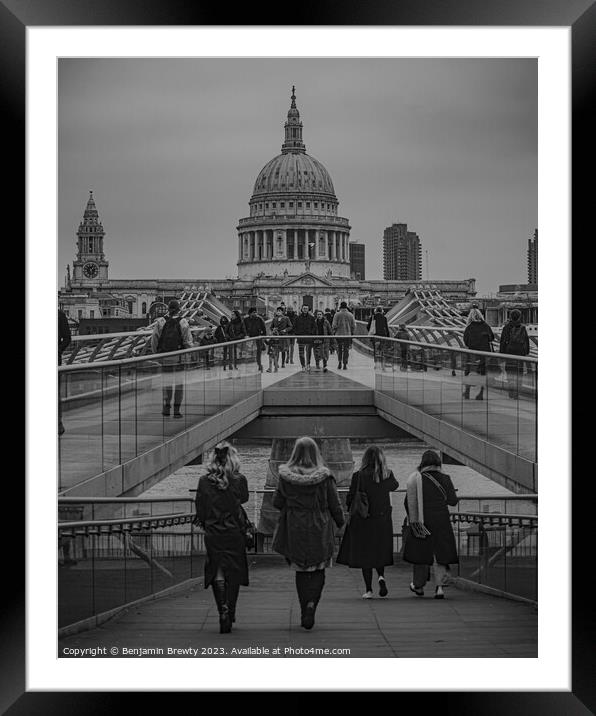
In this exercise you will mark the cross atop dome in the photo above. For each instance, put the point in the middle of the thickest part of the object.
(293, 143)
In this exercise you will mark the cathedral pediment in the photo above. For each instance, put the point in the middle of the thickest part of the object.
(307, 280)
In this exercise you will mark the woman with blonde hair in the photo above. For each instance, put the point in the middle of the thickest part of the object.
(220, 493)
(368, 541)
(478, 336)
(431, 541)
(307, 498)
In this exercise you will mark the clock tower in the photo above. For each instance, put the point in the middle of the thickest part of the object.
(90, 268)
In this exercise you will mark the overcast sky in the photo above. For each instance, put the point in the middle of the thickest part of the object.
(172, 147)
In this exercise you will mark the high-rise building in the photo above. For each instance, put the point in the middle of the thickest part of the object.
(357, 260)
(402, 254)
(533, 258)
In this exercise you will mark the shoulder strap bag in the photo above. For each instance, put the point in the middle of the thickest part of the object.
(359, 506)
(437, 484)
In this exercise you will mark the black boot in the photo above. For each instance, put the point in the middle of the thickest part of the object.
(480, 395)
(221, 599)
(466, 393)
(233, 590)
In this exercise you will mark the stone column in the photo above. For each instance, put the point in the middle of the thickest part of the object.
(284, 245)
(295, 247)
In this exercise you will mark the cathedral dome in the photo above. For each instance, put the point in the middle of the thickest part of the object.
(294, 173)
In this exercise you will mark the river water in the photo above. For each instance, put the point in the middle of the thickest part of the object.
(402, 458)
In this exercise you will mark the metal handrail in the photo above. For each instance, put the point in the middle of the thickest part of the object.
(196, 349)
(495, 518)
(178, 498)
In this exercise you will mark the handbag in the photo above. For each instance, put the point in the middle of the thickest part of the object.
(359, 505)
(247, 527)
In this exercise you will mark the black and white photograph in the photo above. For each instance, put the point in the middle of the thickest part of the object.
(298, 357)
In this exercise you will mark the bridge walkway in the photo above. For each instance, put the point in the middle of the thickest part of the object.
(465, 624)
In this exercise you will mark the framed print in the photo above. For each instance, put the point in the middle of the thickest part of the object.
(141, 137)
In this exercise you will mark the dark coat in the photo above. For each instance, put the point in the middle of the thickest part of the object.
(506, 346)
(381, 325)
(368, 542)
(309, 505)
(224, 538)
(64, 335)
(441, 541)
(222, 332)
(305, 325)
(237, 329)
(478, 336)
(255, 325)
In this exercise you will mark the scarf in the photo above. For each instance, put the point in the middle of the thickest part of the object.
(414, 493)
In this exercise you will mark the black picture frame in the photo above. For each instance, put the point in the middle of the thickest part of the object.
(579, 15)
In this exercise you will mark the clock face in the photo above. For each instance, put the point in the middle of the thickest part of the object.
(90, 270)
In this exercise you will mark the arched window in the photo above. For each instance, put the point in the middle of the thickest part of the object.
(144, 307)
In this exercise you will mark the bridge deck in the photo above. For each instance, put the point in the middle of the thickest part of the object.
(466, 624)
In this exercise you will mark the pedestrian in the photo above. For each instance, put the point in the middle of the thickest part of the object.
(171, 333)
(514, 341)
(255, 326)
(222, 335)
(273, 351)
(368, 541)
(291, 314)
(304, 326)
(220, 493)
(321, 345)
(478, 336)
(237, 331)
(403, 335)
(344, 326)
(282, 324)
(377, 326)
(64, 338)
(309, 505)
(431, 541)
(208, 339)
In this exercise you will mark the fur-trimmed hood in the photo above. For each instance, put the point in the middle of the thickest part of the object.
(304, 476)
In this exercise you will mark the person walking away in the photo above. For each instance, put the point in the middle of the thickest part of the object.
(478, 336)
(255, 326)
(514, 341)
(344, 327)
(321, 342)
(291, 314)
(208, 339)
(273, 352)
(222, 335)
(431, 542)
(309, 506)
(403, 335)
(282, 324)
(237, 332)
(305, 325)
(220, 493)
(380, 328)
(171, 333)
(64, 338)
(368, 541)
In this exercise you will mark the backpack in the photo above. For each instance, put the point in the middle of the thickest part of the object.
(517, 345)
(171, 336)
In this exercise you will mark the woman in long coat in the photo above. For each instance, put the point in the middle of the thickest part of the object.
(220, 493)
(368, 541)
(431, 541)
(478, 336)
(307, 498)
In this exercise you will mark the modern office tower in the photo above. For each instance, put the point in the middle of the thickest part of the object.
(402, 254)
(533, 258)
(357, 260)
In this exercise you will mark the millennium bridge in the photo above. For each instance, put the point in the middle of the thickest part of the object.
(131, 565)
